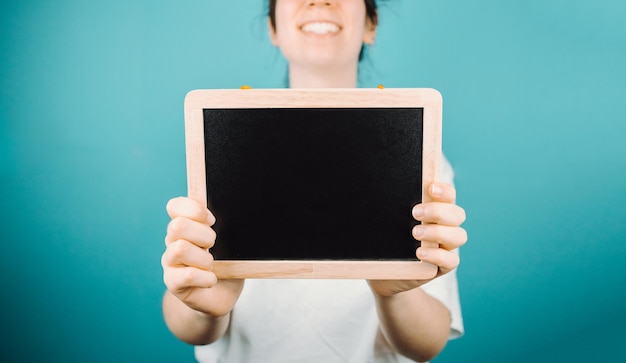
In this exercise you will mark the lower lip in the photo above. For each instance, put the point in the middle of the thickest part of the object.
(317, 35)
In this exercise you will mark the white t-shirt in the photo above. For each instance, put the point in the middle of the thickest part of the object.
(316, 320)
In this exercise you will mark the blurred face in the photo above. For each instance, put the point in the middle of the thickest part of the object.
(321, 33)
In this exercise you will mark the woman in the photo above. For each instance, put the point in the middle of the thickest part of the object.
(315, 320)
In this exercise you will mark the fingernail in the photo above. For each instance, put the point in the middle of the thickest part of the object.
(422, 252)
(418, 211)
(210, 218)
(437, 190)
(418, 231)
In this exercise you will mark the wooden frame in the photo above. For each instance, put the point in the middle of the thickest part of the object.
(427, 99)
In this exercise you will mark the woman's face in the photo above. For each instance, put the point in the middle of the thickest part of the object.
(321, 33)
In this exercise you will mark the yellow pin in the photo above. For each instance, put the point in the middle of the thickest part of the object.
(380, 86)
(245, 87)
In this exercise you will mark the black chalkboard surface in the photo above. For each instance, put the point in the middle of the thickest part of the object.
(309, 183)
(313, 183)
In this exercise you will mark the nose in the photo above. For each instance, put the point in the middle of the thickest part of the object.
(320, 3)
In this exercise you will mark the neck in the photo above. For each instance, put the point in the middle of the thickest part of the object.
(322, 77)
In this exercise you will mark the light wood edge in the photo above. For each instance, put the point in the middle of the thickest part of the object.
(428, 99)
(431, 154)
(194, 145)
(312, 98)
(371, 270)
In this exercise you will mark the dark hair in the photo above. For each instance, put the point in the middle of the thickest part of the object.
(371, 11)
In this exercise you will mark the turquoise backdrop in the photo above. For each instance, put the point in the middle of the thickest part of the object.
(92, 147)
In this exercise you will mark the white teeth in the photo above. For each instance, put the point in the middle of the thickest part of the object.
(320, 28)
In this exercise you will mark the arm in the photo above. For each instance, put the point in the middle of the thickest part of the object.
(192, 326)
(414, 323)
(196, 306)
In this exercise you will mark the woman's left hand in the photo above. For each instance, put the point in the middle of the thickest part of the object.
(441, 223)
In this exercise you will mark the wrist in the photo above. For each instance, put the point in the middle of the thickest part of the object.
(385, 289)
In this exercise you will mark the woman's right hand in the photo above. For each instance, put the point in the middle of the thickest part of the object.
(187, 264)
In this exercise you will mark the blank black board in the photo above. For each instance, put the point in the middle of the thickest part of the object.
(313, 184)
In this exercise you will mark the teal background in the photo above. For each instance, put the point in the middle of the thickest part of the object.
(92, 147)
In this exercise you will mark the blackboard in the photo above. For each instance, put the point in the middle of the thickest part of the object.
(313, 183)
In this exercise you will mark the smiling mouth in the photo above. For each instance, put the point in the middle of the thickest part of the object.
(320, 28)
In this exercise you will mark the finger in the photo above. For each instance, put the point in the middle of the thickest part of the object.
(442, 192)
(217, 300)
(447, 237)
(189, 208)
(178, 279)
(200, 234)
(184, 253)
(446, 260)
(440, 213)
